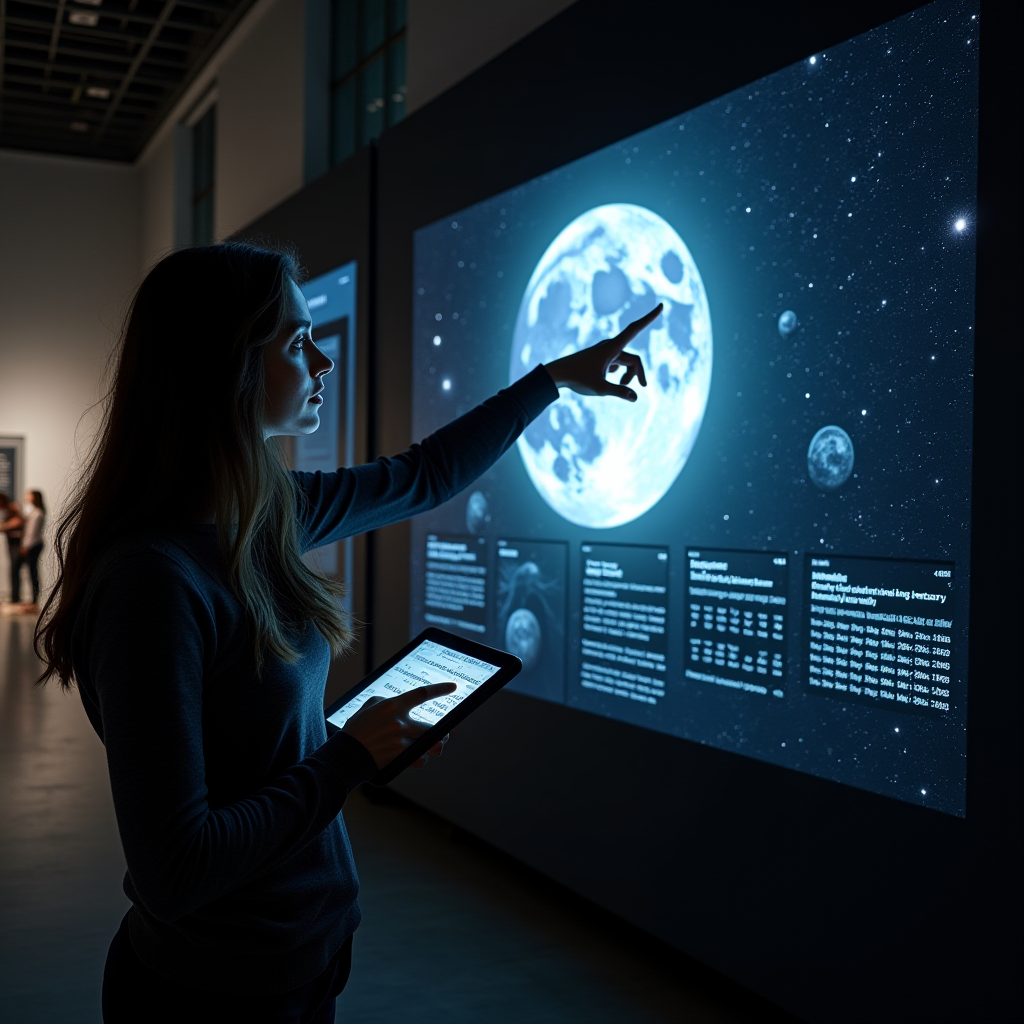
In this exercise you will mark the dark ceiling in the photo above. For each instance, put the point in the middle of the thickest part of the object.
(95, 78)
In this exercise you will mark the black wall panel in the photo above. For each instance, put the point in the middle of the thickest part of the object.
(837, 904)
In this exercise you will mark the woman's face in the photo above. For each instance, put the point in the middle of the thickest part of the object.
(294, 367)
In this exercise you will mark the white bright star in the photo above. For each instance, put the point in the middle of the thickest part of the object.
(814, 60)
(446, 384)
(960, 224)
(437, 339)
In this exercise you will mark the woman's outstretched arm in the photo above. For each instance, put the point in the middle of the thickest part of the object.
(362, 498)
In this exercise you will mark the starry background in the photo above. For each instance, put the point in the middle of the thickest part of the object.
(843, 188)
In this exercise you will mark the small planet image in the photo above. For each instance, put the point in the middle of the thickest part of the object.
(523, 637)
(478, 512)
(602, 462)
(830, 458)
(788, 323)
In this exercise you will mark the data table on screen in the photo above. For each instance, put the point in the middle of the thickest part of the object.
(737, 619)
(882, 631)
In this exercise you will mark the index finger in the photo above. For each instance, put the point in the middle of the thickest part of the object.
(421, 694)
(626, 335)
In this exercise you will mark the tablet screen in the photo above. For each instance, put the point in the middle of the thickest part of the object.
(428, 663)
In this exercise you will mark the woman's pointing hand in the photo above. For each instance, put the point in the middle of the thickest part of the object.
(586, 372)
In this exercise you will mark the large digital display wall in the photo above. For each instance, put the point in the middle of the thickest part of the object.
(769, 551)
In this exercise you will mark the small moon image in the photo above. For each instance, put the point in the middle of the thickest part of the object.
(830, 458)
(788, 323)
(599, 462)
(523, 637)
(478, 513)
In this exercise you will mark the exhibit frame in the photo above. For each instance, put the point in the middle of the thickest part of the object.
(12, 446)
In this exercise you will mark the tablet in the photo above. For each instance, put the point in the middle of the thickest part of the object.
(435, 656)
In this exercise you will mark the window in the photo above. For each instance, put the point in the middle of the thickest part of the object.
(367, 71)
(204, 134)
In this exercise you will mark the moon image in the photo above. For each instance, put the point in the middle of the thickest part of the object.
(523, 637)
(788, 323)
(830, 458)
(602, 462)
(478, 512)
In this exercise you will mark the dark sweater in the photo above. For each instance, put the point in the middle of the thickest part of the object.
(226, 787)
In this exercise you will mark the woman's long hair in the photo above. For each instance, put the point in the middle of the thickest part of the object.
(182, 441)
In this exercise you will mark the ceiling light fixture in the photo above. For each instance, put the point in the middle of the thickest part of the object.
(86, 18)
(98, 92)
(78, 126)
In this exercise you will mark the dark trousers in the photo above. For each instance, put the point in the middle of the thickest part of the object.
(31, 559)
(14, 551)
(132, 993)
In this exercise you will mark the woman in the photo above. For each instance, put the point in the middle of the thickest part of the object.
(200, 641)
(32, 543)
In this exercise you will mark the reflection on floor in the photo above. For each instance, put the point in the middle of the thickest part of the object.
(453, 931)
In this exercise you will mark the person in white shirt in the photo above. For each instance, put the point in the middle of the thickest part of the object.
(34, 513)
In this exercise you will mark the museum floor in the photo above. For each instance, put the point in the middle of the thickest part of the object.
(451, 927)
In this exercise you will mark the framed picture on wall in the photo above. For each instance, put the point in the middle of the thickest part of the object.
(12, 466)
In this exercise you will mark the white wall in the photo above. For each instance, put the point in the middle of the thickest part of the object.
(260, 92)
(69, 260)
(449, 39)
(259, 75)
(157, 187)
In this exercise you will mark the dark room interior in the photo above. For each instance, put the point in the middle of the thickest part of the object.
(675, 348)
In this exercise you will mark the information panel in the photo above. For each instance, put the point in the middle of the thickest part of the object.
(623, 642)
(530, 613)
(455, 584)
(769, 550)
(737, 619)
(881, 630)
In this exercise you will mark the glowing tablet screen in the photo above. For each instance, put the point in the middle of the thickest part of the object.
(429, 663)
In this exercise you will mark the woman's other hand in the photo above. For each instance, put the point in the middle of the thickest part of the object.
(586, 372)
(385, 728)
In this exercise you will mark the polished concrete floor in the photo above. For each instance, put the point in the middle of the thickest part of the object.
(453, 932)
